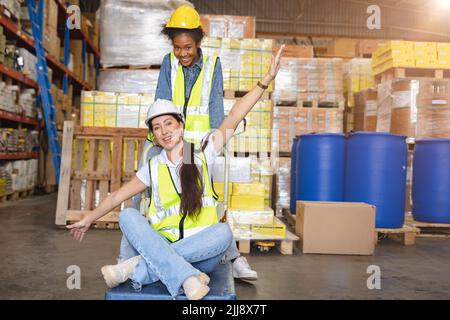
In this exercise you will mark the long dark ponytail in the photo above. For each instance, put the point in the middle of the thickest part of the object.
(191, 183)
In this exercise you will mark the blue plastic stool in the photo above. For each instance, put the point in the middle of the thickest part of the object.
(221, 288)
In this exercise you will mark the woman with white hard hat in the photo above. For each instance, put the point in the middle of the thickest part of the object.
(180, 240)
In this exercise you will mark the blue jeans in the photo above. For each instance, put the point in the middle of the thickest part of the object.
(172, 263)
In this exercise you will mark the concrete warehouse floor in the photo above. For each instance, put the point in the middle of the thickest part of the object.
(35, 256)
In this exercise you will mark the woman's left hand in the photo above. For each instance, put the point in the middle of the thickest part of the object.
(276, 63)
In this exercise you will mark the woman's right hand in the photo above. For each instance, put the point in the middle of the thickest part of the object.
(77, 230)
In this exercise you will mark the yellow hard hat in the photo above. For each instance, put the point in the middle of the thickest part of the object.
(184, 17)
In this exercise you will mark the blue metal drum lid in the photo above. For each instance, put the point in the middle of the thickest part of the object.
(325, 134)
(428, 140)
(386, 134)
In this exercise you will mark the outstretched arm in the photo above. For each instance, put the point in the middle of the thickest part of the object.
(244, 105)
(135, 186)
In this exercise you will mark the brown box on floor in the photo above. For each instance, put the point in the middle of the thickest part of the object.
(336, 227)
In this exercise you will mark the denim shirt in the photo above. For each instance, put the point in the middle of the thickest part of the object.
(164, 88)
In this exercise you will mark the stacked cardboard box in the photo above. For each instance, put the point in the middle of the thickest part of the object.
(310, 80)
(395, 53)
(27, 102)
(365, 111)
(414, 108)
(131, 32)
(244, 61)
(366, 47)
(247, 196)
(357, 76)
(52, 43)
(2, 45)
(13, 7)
(342, 47)
(257, 135)
(8, 97)
(109, 109)
(398, 53)
(76, 48)
(129, 81)
(29, 63)
(289, 122)
(443, 54)
(225, 26)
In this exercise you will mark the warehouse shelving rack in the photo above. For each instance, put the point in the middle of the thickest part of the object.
(13, 31)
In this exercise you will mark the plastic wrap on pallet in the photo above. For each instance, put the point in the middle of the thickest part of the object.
(286, 81)
(226, 26)
(128, 81)
(384, 99)
(283, 182)
(131, 31)
(27, 102)
(244, 61)
(240, 169)
(365, 111)
(8, 97)
(250, 216)
(110, 109)
(357, 76)
(416, 108)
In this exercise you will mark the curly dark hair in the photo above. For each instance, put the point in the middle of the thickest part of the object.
(197, 34)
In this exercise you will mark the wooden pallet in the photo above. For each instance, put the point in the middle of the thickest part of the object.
(284, 245)
(412, 72)
(429, 229)
(110, 161)
(16, 195)
(313, 104)
(406, 233)
(136, 67)
(232, 94)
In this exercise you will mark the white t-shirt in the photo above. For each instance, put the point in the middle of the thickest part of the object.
(210, 156)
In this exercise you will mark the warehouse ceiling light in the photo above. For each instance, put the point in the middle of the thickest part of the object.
(443, 4)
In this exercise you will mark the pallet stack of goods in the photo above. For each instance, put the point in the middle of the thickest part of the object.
(309, 98)
(131, 32)
(357, 76)
(412, 96)
(223, 26)
(365, 110)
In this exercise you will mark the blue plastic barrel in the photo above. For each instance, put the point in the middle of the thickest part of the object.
(320, 167)
(431, 181)
(293, 175)
(376, 174)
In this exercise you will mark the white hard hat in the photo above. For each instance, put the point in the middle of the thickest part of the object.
(161, 107)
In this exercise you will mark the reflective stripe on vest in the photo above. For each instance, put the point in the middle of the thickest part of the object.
(164, 211)
(196, 111)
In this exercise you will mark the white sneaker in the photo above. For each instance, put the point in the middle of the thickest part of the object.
(195, 288)
(242, 270)
(119, 273)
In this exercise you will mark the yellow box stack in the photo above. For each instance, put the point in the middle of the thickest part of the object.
(395, 53)
(110, 109)
(443, 54)
(398, 53)
(248, 196)
(256, 137)
(244, 61)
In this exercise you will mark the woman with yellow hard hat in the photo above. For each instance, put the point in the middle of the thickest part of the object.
(179, 240)
(194, 82)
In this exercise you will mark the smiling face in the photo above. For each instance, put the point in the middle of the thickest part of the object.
(168, 131)
(185, 49)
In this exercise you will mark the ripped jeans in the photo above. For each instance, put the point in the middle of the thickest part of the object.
(171, 263)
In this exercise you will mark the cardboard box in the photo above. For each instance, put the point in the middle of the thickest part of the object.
(336, 227)
(247, 202)
(251, 189)
(342, 47)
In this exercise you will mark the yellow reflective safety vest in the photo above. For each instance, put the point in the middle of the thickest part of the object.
(164, 211)
(196, 108)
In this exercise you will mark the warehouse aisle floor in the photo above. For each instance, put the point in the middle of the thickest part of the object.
(36, 255)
